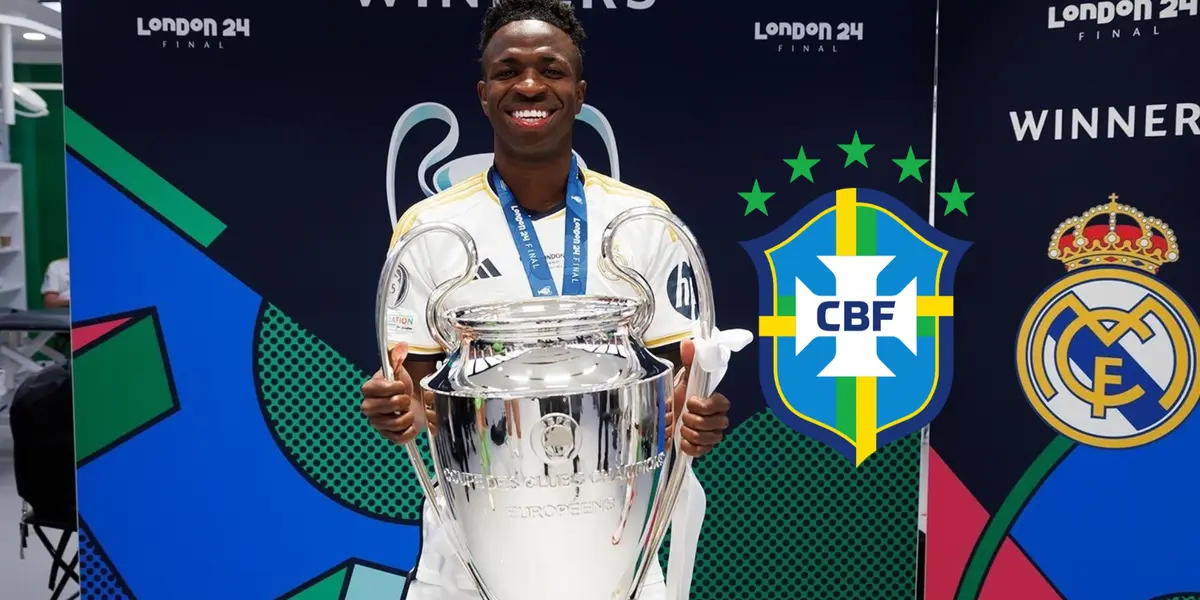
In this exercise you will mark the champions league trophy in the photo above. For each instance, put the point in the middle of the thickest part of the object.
(555, 479)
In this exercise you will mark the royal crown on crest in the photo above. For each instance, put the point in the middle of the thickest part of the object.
(1081, 242)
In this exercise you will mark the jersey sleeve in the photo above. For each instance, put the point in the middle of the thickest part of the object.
(670, 277)
(55, 279)
(408, 295)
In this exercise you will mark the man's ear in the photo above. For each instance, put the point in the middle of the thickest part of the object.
(481, 89)
(581, 95)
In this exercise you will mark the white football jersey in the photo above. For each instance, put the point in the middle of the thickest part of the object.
(648, 246)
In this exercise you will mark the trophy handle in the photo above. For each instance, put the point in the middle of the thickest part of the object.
(439, 327)
(440, 330)
(697, 378)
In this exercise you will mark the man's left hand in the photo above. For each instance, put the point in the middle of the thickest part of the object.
(706, 419)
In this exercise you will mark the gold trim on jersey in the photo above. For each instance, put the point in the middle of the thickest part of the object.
(455, 193)
(487, 186)
(612, 186)
(667, 339)
(487, 183)
(424, 350)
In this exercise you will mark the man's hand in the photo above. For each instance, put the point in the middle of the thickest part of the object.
(388, 404)
(706, 420)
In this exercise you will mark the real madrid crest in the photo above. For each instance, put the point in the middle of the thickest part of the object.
(619, 258)
(1107, 355)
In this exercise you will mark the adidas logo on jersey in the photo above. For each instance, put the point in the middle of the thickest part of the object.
(486, 270)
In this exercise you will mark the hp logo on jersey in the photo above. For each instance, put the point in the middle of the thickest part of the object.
(681, 290)
(1107, 354)
(856, 310)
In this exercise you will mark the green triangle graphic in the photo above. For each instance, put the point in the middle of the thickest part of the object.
(329, 588)
(121, 384)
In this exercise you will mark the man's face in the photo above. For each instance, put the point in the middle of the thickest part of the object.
(531, 90)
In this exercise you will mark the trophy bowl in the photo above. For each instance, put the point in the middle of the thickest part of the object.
(555, 479)
(548, 439)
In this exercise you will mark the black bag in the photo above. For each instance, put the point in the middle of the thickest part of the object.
(43, 431)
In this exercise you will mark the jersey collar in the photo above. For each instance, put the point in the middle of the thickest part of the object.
(541, 214)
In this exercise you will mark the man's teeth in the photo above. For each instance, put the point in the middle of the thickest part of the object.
(531, 114)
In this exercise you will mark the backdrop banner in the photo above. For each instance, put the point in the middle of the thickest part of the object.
(1062, 468)
(234, 172)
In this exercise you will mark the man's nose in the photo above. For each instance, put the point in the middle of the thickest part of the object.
(530, 85)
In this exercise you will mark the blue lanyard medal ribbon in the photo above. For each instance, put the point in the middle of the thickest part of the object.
(575, 258)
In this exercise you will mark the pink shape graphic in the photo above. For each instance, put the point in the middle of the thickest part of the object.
(82, 336)
(955, 521)
(1013, 576)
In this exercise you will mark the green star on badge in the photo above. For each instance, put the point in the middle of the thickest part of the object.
(801, 166)
(956, 199)
(910, 166)
(856, 151)
(756, 199)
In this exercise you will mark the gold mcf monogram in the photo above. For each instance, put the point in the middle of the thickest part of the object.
(1104, 376)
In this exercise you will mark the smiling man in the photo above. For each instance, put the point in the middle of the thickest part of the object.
(532, 89)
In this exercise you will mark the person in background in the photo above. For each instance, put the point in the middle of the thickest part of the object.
(56, 285)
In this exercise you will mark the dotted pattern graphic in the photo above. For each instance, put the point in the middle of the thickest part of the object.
(311, 398)
(790, 518)
(98, 579)
(787, 517)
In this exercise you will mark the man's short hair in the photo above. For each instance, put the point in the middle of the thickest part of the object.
(554, 12)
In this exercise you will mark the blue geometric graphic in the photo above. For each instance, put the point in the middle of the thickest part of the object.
(1070, 526)
(157, 490)
(97, 578)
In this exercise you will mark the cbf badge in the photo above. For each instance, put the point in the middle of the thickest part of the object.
(1107, 354)
(856, 308)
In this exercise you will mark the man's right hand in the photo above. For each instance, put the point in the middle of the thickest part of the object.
(388, 405)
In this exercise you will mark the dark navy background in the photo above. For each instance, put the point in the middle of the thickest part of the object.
(284, 135)
(1000, 57)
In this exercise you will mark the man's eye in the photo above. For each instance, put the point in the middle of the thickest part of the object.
(553, 73)
(505, 73)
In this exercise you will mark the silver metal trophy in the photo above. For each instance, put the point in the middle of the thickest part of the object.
(555, 479)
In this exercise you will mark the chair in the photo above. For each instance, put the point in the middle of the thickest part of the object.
(68, 527)
(42, 424)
